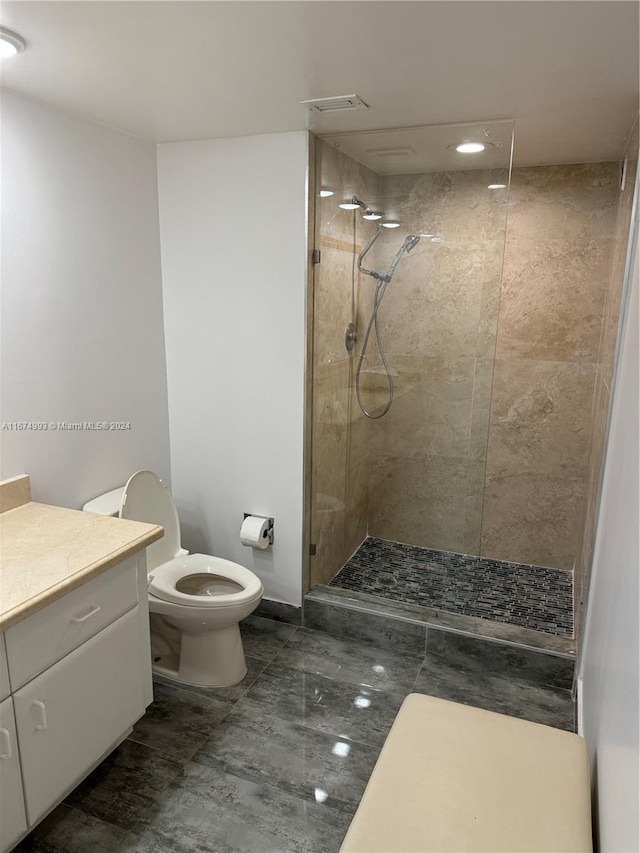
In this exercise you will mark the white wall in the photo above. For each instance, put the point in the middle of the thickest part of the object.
(610, 661)
(82, 335)
(233, 235)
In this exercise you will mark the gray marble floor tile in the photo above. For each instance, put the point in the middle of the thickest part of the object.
(229, 694)
(124, 788)
(67, 830)
(263, 638)
(305, 762)
(349, 661)
(547, 705)
(471, 654)
(357, 712)
(368, 628)
(178, 722)
(210, 811)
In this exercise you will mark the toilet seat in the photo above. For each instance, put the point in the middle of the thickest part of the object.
(146, 498)
(163, 580)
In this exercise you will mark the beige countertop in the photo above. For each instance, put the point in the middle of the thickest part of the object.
(47, 551)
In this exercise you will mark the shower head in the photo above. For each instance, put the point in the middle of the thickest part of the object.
(410, 242)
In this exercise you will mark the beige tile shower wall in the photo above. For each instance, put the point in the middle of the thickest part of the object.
(604, 374)
(554, 295)
(438, 323)
(340, 434)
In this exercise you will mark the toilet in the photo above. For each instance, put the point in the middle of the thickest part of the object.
(196, 601)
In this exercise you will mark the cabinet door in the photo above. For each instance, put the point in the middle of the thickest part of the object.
(5, 690)
(73, 714)
(13, 823)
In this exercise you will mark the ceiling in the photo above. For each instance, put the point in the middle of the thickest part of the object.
(430, 148)
(166, 70)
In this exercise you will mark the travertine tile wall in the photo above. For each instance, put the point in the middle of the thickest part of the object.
(556, 270)
(340, 444)
(486, 449)
(604, 378)
(438, 323)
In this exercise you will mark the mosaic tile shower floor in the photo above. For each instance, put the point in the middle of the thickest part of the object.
(533, 597)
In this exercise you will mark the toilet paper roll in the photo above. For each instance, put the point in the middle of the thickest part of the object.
(255, 532)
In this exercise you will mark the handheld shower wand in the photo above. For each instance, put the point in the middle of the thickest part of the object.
(382, 282)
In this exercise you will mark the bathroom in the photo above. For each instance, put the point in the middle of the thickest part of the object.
(170, 287)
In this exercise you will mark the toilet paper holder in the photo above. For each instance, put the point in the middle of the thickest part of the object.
(267, 517)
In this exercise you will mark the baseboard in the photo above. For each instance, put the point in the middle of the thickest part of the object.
(279, 611)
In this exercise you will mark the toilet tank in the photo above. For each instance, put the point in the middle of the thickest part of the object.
(107, 504)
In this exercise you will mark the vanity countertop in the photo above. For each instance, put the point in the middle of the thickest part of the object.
(47, 551)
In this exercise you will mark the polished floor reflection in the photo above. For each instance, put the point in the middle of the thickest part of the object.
(279, 762)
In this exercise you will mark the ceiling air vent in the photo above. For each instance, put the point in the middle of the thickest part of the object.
(393, 152)
(335, 103)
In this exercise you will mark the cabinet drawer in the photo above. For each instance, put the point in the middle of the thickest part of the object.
(5, 690)
(13, 823)
(44, 638)
(69, 717)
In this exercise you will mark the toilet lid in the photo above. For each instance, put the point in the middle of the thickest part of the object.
(146, 498)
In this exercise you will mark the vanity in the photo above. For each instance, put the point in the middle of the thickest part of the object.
(75, 661)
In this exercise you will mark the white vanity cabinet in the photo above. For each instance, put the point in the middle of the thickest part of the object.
(69, 717)
(79, 671)
(13, 822)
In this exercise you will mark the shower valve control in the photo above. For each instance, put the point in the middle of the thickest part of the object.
(350, 337)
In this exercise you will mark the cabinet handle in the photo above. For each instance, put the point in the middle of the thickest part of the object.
(95, 609)
(6, 735)
(42, 725)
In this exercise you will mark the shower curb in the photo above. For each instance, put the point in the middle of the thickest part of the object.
(390, 615)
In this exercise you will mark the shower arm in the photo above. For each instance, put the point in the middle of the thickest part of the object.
(380, 278)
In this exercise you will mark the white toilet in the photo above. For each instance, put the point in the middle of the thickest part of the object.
(195, 601)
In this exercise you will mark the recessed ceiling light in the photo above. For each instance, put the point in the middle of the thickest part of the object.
(428, 234)
(10, 43)
(470, 147)
(497, 187)
(326, 193)
(437, 239)
(391, 223)
(349, 205)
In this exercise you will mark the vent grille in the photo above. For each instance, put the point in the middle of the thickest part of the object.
(335, 103)
(393, 152)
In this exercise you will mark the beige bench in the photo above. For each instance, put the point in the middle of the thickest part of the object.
(456, 779)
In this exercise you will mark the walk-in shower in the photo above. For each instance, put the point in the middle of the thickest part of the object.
(449, 440)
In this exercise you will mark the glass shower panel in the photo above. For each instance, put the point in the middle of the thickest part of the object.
(340, 432)
(415, 475)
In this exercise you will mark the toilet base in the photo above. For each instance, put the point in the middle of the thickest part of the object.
(212, 659)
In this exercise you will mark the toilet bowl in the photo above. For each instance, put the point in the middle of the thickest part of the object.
(196, 601)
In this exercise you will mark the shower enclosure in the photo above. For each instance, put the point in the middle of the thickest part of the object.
(447, 460)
